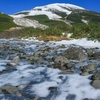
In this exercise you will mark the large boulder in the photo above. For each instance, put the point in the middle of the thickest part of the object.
(96, 84)
(96, 76)
(75, 53)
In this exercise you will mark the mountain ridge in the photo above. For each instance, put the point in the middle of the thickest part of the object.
(49, 10)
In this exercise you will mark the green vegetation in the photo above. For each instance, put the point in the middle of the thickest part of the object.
(43, 19)
(40, 18)
(62, 14)
(76, 17)
(79, 29)
(6, 22)
(56, 28)
(91, 31)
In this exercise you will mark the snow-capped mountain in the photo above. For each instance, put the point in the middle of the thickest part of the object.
(56, 11)
(50, 10)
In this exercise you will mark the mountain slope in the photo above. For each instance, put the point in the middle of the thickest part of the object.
(59, 18)
(59, 11)
(51, 10)
(6, 22)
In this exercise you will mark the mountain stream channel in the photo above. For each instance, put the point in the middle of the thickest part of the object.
(34, 70)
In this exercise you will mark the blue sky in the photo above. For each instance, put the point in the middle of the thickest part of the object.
(13, 6)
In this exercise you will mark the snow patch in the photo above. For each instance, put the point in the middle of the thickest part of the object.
(82, 42)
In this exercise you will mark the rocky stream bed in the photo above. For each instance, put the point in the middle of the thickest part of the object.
(34, 70)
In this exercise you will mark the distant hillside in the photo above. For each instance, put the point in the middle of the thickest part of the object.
(6, 22)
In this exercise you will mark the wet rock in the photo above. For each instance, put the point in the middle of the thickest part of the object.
(71, 97)
(8, 89)
(49, 59)
(85, 99)
(62, 46)
(32, 58)
(45, 54)
(96, 56)
(39, 61)
(85, 74)
(18, 94)
(75, 53)
(90, 67)
(0, 90)
(21, 44)
(63, 68)
(36, 98)
(37, 54)
(46, 48)
(61, 60)
(67, 72)
(68, 65)
(12, 52)
(96, 84)
(90, 52)
(21, 86)
(14, 62)
(0, 52)
(96, 76)
(7, 58)
(52, 88)
(92, 72)
(11, 97)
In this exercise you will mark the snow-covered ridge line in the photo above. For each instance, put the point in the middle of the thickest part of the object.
(58, 5)
(48, 10)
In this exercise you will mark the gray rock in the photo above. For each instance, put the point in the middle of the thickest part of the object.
(85, 74)
(8, 89)
(75, 53)
(96, 56)
(32, 58)
(37, 54)
(39, 61)
(46, 48)
(96, 84)
(90, 52)
(68, 65)
(85, 99)
(7, 58)
(67, 72)
(71, 97)
(12, 52)
(21, 86)
(90, 67)
(96, 76)
(61, 60)
(93, 72)
(36, 98)
(14, 62)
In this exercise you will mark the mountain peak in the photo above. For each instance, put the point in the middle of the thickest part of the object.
(53, 11)
(54, 5)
